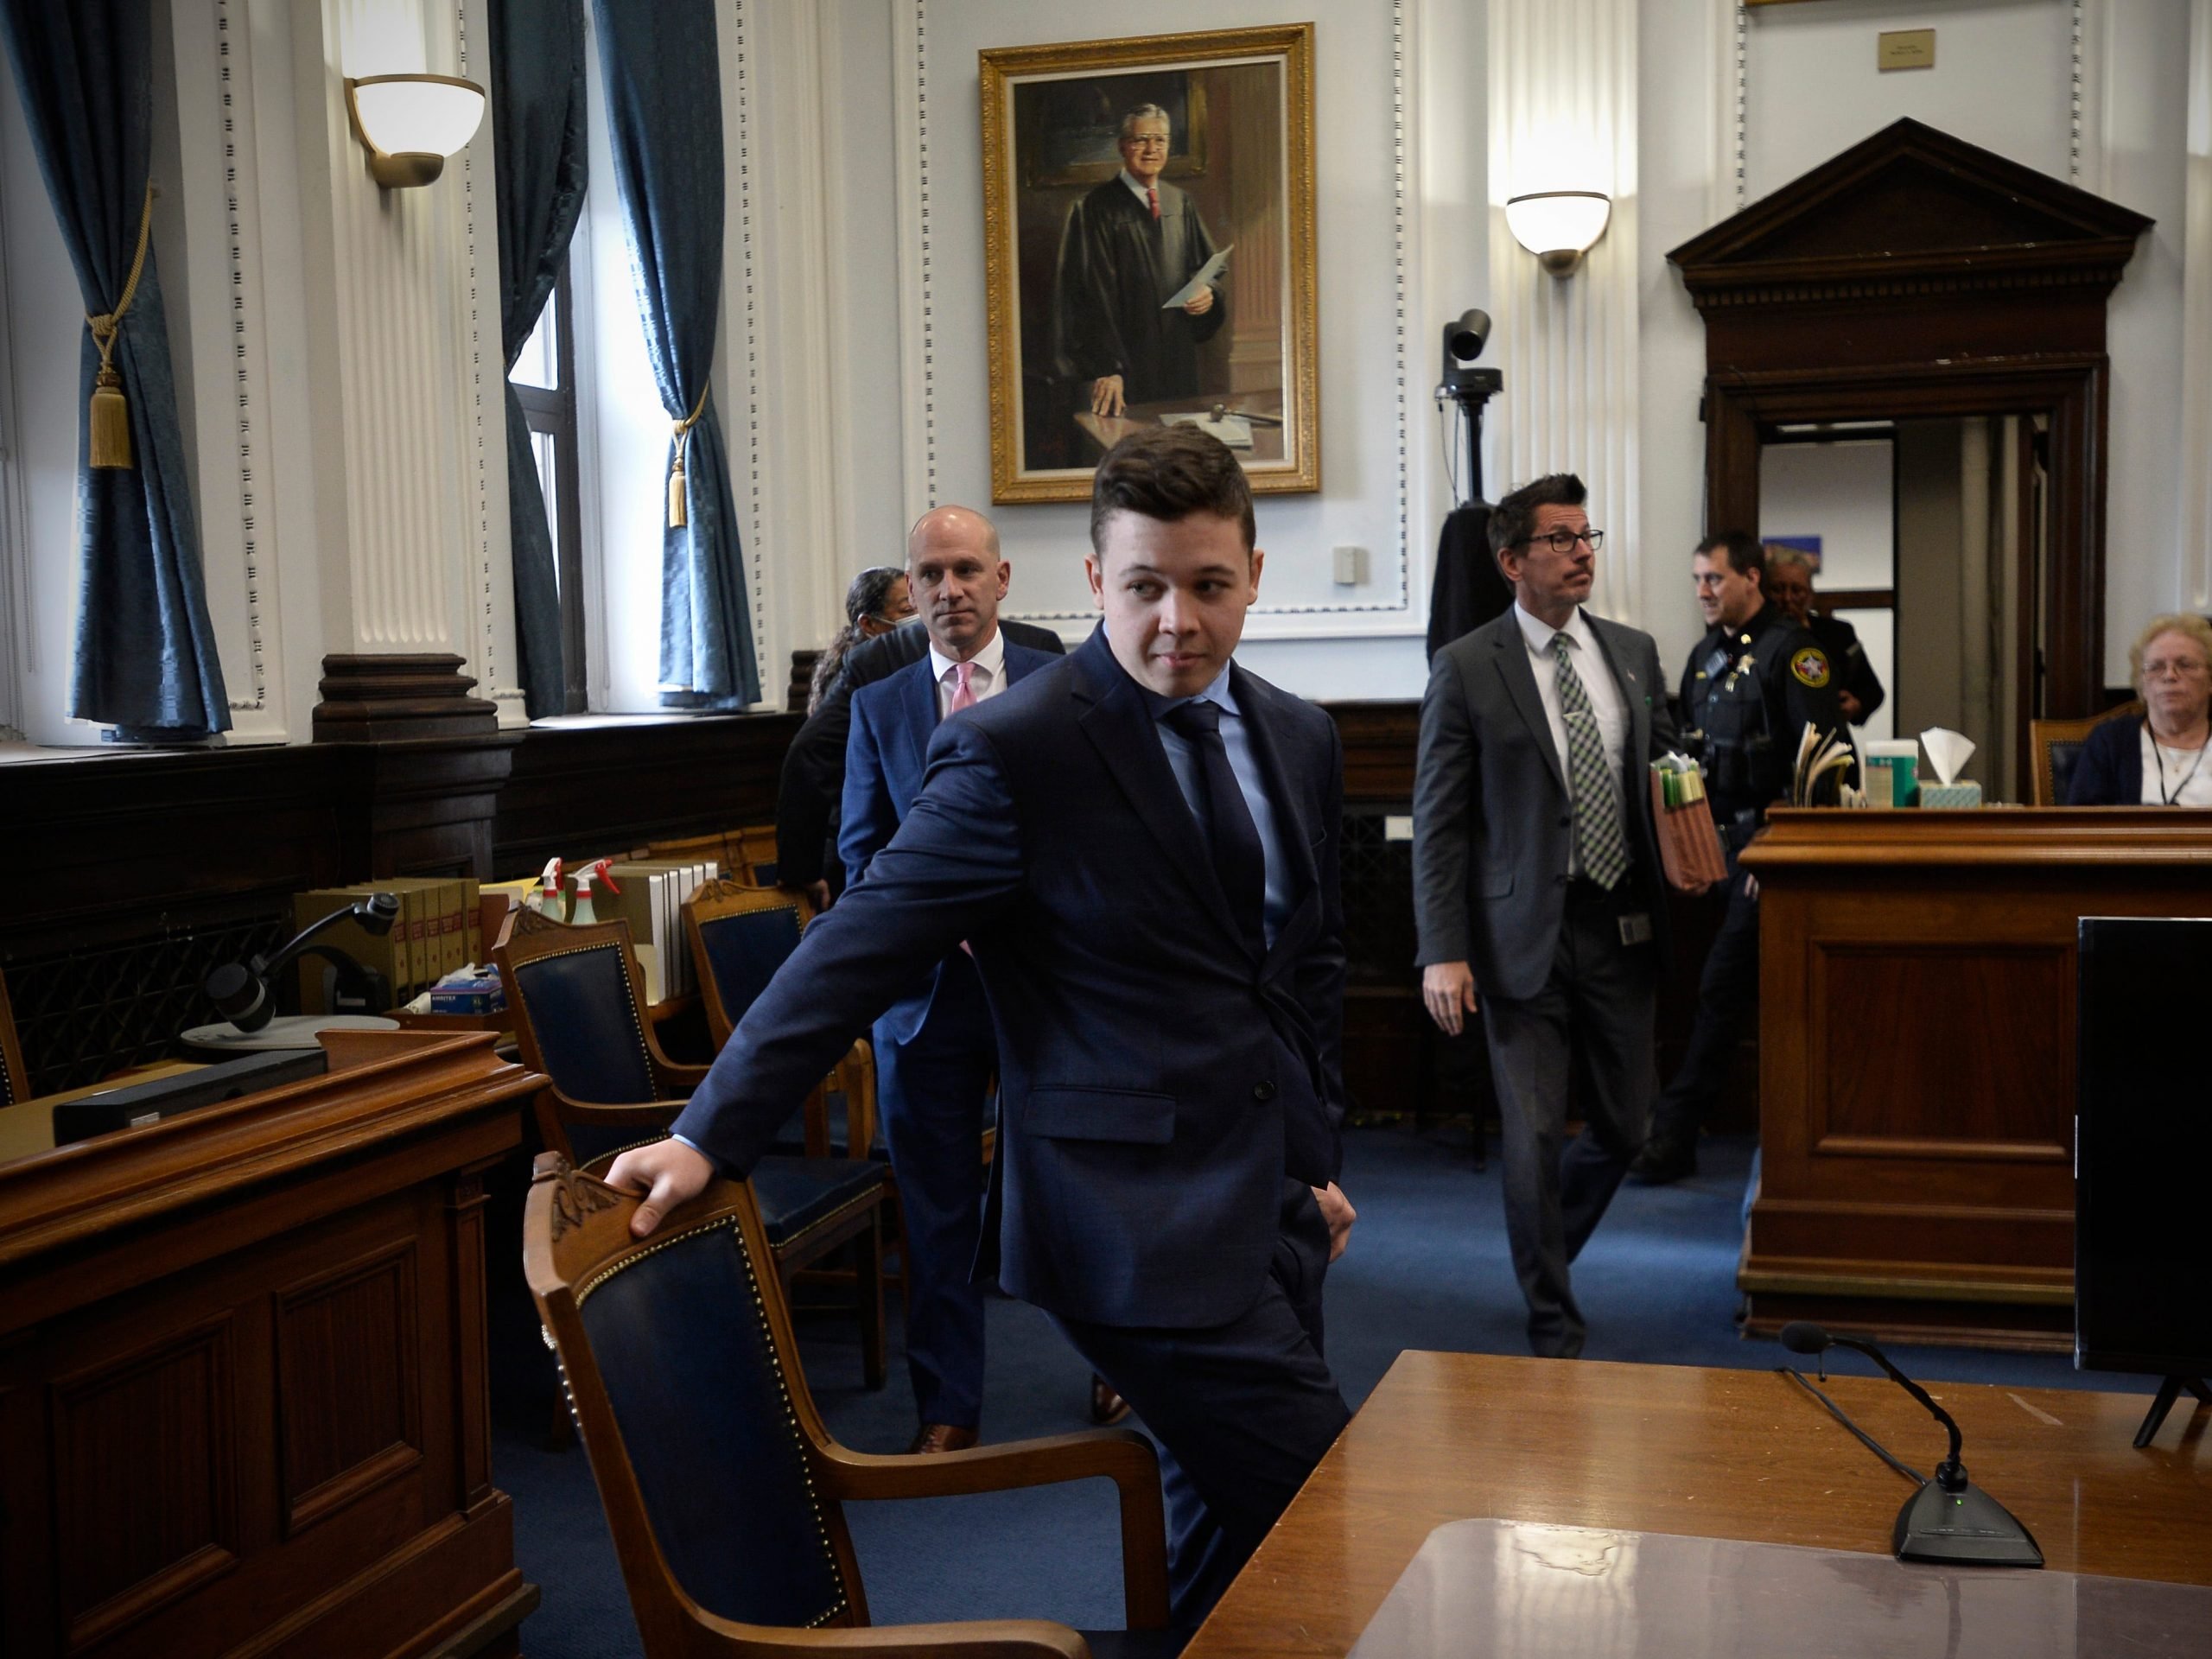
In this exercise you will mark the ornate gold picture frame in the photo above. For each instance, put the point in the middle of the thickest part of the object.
(1149, 252)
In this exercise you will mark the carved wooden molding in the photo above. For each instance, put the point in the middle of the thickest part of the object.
(1909, 205)
(399, 694)
(576, 1195)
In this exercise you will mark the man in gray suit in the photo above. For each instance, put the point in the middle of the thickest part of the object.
(1537, 881)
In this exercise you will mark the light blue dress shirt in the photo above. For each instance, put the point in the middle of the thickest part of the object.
(1189, 775)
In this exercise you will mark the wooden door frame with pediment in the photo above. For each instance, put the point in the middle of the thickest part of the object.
(1917, 276)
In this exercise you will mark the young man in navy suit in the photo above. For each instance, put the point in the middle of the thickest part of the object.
(1141, 847)
(934, 1050)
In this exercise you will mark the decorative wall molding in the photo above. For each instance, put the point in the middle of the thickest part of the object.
(249, 354)
(916, 313)
(411, 454)
(1563, 115)
(485, 484)
(742, 304)
(17, 643)
(2195, 575)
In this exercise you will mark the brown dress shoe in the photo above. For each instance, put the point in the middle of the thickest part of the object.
(1106, 1406)
(942, 1437)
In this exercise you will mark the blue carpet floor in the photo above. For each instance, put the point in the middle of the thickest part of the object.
(1427, 1268)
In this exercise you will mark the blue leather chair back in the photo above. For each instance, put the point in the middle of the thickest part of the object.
(682, 1340)
(745, 949)
(2065, 753)
(590, 1032)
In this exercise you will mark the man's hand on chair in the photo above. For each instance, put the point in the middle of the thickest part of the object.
(668, 1172)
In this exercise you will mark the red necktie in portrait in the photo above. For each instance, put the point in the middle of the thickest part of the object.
(1153, 196)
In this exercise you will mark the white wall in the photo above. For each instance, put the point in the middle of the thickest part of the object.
(1840, 493)
(1380, 456)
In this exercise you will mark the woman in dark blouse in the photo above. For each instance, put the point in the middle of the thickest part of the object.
(2161, 759)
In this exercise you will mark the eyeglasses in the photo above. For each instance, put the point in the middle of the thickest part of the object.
(1562, 541)
(2180, 668)
(1148, 140)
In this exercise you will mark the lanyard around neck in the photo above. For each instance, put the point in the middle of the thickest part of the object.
(2168, 798)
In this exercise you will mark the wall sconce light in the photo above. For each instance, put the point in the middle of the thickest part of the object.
(410, 124)
(1559, 226)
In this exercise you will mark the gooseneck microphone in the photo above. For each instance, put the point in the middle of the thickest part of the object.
(1948, 1519)
(240, 989)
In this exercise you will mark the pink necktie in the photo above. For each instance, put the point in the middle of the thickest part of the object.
(1153, 196)
(963, 686)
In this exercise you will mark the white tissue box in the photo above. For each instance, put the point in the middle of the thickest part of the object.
(1953, 795)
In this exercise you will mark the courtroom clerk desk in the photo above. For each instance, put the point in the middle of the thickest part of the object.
(243, 1395)
(1916, 1027)
(1702, 1453)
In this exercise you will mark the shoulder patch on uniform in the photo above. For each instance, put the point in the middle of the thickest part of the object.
(1811, 665)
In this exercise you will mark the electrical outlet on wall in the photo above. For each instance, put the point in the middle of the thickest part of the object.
(1350, 566)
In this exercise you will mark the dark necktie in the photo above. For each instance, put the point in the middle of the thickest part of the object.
(1599, 846)
(1238, 858)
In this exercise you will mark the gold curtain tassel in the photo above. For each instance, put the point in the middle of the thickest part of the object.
(111, 422)
(679, 513)
(108, 433)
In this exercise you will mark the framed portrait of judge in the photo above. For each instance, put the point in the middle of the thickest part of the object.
(1149, 225)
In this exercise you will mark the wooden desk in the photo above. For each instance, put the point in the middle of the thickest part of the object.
(1917, 984)
(1705, 1453)
(243, 1397)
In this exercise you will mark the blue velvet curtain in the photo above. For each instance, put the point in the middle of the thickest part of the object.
(663, 84)
(145, 658)
(538, 113)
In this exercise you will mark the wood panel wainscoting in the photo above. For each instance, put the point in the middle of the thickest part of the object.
(137, 872)
(1917, 1058)
(244, 1404)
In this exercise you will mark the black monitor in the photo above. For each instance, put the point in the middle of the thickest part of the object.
(2143, 1149)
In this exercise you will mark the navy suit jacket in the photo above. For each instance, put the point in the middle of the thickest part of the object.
(2109, 770)
(1157, 1078)
(892, 722)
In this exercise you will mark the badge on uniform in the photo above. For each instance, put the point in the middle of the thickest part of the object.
(1810, 667)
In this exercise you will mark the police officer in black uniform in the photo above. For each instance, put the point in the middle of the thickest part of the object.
(1754, 683)
(1790, 588)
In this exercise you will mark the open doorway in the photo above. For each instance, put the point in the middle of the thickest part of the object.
(1930, 537)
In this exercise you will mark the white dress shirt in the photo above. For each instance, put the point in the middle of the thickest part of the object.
(1596, 676)
(985, 681)
(1138, 189)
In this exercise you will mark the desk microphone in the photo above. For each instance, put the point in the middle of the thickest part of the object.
(1947, 1521)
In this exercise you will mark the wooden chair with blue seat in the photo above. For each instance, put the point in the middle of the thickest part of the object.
(739, 935)
(578, 1000)
(15, 1082)
(723, 1488)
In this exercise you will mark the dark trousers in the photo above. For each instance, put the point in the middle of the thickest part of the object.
(1592, 1024)
(932, 1091)
(1242, 1411)
(1726, 991)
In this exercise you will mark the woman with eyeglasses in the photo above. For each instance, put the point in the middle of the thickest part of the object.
(2160, 759)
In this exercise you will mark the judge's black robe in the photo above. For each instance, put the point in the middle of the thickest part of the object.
(1117, 267)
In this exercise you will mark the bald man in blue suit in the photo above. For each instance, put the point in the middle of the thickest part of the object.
(935, 1052)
